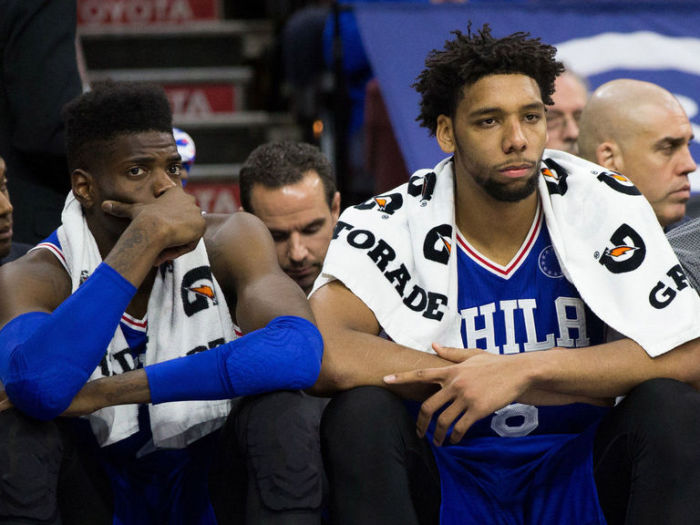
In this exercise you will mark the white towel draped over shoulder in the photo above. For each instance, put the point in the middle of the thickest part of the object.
(395, 252)
(179, 320)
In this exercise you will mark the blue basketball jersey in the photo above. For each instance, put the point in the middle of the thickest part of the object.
(525, 306)
(149, 485)
(523, 464)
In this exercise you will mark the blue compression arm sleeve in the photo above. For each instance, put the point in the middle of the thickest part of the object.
(45, 359)
(285, 355)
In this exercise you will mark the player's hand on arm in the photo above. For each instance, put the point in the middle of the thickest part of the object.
(354, 353)
(158, 231)
(469, 390)
(484, 382)
(533, 396)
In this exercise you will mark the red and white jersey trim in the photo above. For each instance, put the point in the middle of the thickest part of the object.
(140, 325)
(55, 250)
(508, 270)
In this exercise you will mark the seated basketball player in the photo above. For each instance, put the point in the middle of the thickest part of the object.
(169, 313)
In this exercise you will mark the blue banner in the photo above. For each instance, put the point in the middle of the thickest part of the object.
(653, 41)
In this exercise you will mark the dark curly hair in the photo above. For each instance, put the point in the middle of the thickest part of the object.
(111, 109)
(278, 164)
(471, 56)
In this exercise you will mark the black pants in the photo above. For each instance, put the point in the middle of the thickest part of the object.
(268, 468)
(646, 459)
(42, 470)
(279, 443)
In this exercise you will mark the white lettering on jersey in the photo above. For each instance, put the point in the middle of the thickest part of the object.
(499, 422)
(487, 332)
(508, 308)
(566, 324)
(528, 307)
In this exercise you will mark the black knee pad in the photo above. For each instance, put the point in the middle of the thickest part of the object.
(279, 435)
(30, 459)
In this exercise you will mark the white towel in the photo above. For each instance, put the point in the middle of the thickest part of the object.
(395, 253)
(171, 333)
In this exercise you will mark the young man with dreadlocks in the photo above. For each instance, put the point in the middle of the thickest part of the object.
(162, 311)
(471, 271)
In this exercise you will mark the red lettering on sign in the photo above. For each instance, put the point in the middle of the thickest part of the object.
(140, 12)
(201, 100)
(215, 197)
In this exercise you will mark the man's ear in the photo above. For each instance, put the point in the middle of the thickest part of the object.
(609, 155)
(335, 207)
(83, 184)
(444, 133)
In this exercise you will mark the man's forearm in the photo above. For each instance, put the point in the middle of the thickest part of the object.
(285, 355)
(134, 254)
(358, 359)
(122, 389)
(47, 358)
(611, 369)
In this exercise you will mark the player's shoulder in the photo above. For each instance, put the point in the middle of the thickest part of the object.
(37, 264)
(236, 241)
(37, 278)
(223, 228)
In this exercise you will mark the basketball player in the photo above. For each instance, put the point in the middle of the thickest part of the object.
(137, 275)
(462, 256)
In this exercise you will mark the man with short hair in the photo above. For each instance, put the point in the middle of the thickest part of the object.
(153, 314)
(569, 99)
(470, 288)
(9, 250)
(639, 129)
(290, 187)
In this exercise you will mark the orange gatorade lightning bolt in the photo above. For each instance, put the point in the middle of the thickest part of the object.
(204, 290)
(620, 250)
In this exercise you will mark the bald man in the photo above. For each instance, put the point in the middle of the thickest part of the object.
(639, 129)
(570, 95)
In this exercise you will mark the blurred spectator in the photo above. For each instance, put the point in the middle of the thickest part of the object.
(570, 95)
(38, 75)
(9, 251)
(640, 130)
(187, 151)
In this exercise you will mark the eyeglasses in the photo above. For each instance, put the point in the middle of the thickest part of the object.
(557, 121)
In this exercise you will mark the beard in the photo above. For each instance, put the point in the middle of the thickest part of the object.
(506, 192)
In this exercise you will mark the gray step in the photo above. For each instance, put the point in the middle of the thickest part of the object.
(190, 75)
(215, 172)
(229, 138)
(196, 44)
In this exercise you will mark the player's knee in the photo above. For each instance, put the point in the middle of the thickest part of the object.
(30, 458)
(365, 421)
(668, 411)
(279, 433)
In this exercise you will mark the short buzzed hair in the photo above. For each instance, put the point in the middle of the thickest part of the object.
(278, 164)
(111, 109)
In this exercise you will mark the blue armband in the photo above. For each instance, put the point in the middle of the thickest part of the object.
(285, 355)
(45, 359)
